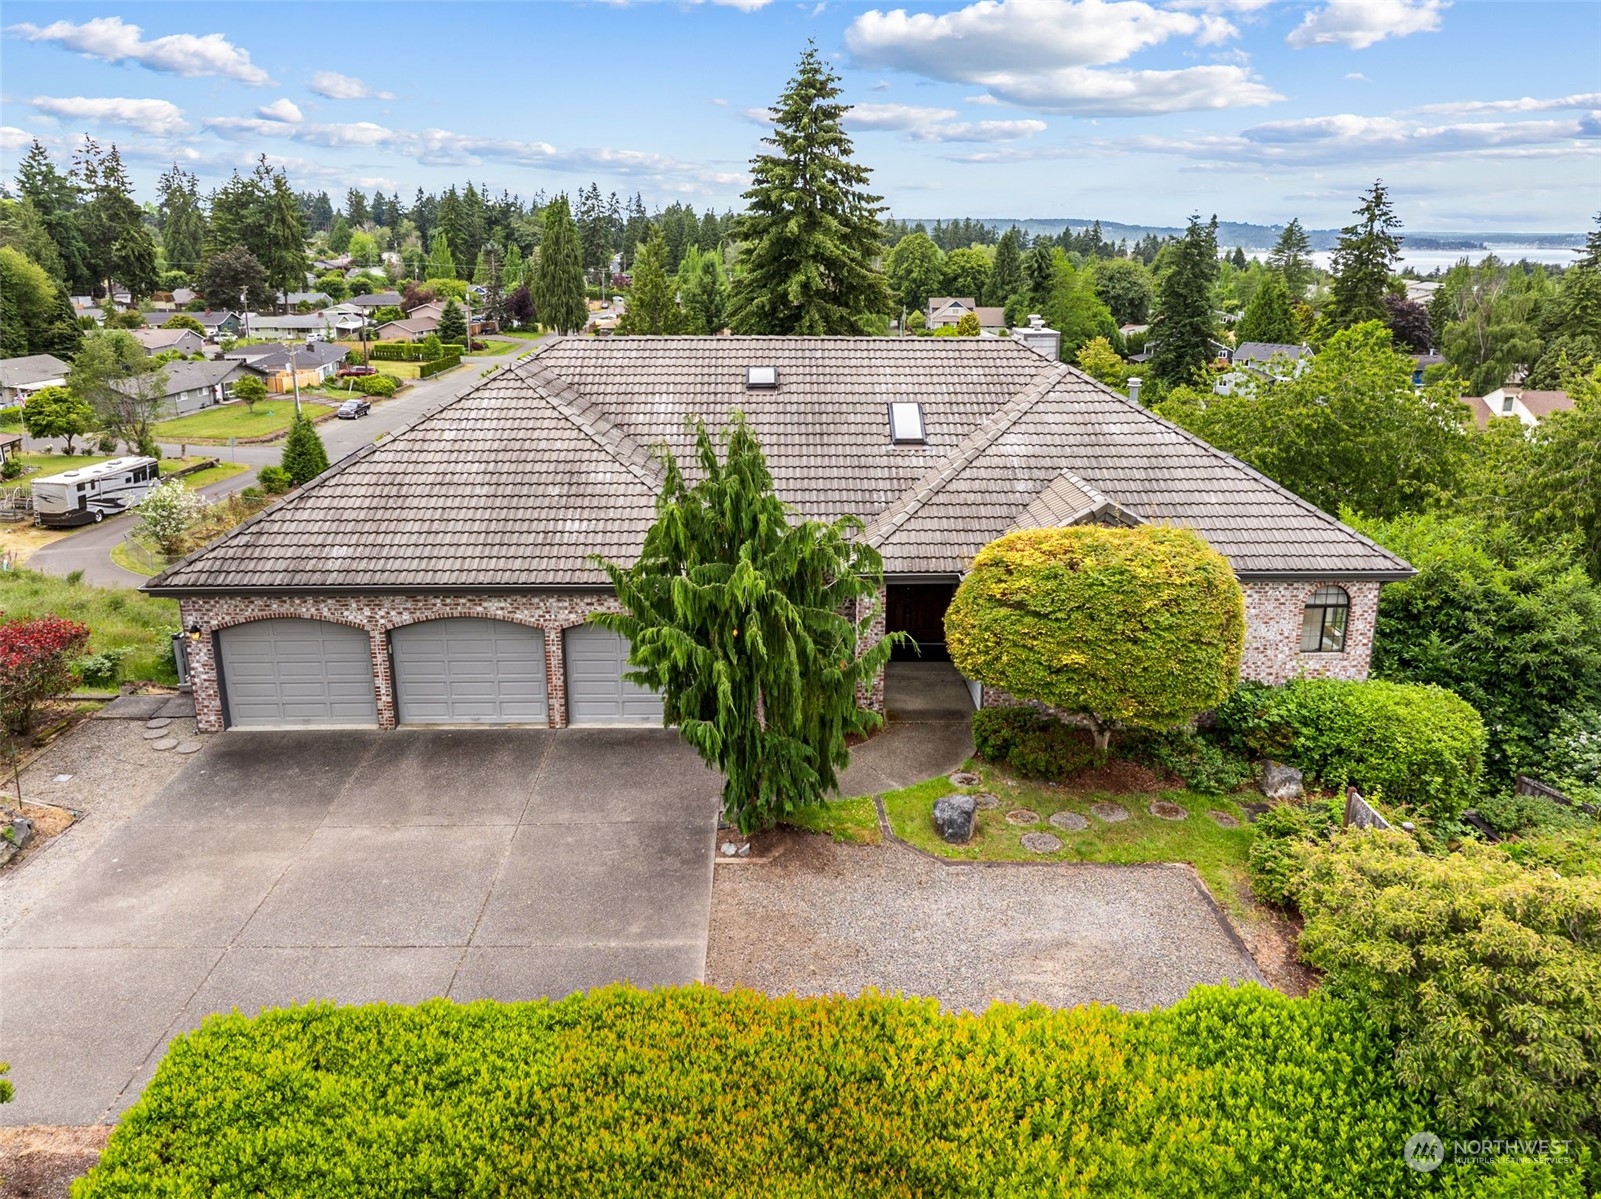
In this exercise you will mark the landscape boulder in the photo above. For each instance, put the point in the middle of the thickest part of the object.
(1281, 782)
(15, 832)
(954, 816)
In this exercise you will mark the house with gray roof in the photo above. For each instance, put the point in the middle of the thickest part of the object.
(445, 573)
(21, 377)
(192, 386)
(159, 341)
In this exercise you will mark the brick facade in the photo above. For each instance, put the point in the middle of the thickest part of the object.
(1273, 614)
(377, 615)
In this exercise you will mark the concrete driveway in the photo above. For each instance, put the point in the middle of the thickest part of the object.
(357, 867)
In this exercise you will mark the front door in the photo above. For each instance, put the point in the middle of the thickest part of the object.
(919, 610)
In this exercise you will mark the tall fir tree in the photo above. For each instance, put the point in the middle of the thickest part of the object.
(1006, 276)
(304, 456)
(56, 198)
(452, 328)
(653, 294)
(749, 624)
(183, 222)
(704, 288)
(286, 260)
(809, 237)
(1269, 316)
(441, 263)
(1291, 257)
(1363, 259)
(1039, 268)
(1182, 333)
(559, 297)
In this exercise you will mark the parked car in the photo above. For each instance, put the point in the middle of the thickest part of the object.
(353, 409)
(346, 372)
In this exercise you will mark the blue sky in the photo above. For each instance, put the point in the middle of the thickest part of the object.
(1481, 116)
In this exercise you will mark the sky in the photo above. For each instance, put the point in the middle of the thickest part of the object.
(1479, 116)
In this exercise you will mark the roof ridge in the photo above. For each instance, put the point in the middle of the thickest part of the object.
(589, 418)
(1243, 467)
(934, 479)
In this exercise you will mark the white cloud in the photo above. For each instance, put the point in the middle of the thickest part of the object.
(1051, 54)
(283, 109)
(1358, 24)
(1357, 76)
(983, 98)
(899, 117)
(978, 131)
(921, 124)
(1526, 104)
(110, 39)
(331, 85)
(743, 5)
(14, 139)
(159, 118)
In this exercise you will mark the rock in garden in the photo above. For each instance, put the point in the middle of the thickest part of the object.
(1280, 781)
(1071, 821)
(965, 778)
(1022, 816)
(1109, 812)
(1223, 819)
(1041, 842)
(954, 817)
(1163, 810)
(729, 849)
(986, 801)
(15, 832)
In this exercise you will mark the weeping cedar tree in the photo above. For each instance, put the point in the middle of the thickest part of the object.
(735, 615)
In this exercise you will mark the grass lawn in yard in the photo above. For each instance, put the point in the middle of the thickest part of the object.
(494, 345)
(116, 617)
(853, 821)
(214, 474)
(53, 464)
(1217, 853)
(235, 420)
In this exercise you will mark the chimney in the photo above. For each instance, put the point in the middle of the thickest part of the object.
(1134, 388)
(1037, 337)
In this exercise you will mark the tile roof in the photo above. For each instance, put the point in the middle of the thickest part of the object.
(1262, 351)
(520, 478)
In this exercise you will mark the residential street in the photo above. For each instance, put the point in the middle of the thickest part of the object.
(90, 549)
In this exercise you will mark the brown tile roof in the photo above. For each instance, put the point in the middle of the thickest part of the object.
(520, 478)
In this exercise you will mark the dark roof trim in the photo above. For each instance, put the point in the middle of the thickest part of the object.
(1319, 576)
(186, 592)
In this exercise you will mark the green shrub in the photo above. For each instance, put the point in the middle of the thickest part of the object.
(1279, 837)
(101, 669)
(1526, 814)
(996, 731)
(1205, 767)
(1245, 722)
(691, 1092)
(1033, 744)
(275, 480)
(1486, 972)
(376, 385)
(252, 494)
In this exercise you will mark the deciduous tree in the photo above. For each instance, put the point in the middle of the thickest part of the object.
(915, 271)
(57, 412)
(36, 658)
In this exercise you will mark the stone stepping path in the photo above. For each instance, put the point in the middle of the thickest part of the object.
(156, 734)
(160, 722)
(1223, 819)
(1041, 842)
(1109, 812)
(1163, 810)
(190, 747)
(965, 778)
(1022, 816)
(1071, 821)
(986, 801)
(165, 743)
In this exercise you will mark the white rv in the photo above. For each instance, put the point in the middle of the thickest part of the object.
(89, 494)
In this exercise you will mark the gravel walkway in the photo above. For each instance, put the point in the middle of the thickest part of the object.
(823, 918)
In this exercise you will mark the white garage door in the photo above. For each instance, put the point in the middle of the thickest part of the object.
(596, 690)
(469, 671)
(297, 674)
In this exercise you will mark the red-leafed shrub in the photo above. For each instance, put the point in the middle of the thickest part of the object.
(35, 664)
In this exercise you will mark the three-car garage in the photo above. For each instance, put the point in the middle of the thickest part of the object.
(299, 673)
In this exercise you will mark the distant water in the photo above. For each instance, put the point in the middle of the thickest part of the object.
(1424, 261)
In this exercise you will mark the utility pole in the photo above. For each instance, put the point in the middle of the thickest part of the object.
(294, 375)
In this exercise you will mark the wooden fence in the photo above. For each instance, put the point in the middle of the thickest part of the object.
(1360, 813)
(1527, 786)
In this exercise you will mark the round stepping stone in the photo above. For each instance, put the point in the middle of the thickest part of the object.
(1109, 812)
(156, 734)
(986, 801)
(1224, 820)
(1022, 816)
(1164, 810)
(165, 743)
(1071, 821)
(190, 747)
(965, 778)
(1041, 842)
(160, 722)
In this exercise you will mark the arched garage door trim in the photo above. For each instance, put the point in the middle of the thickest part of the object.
(469, 670)
(293, 672)
(596, 691)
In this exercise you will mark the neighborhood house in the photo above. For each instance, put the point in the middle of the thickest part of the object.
(444, 575)
(21, 377)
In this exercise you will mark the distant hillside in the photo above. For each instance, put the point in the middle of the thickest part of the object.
(1262, 237)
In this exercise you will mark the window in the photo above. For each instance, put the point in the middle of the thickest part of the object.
(906, 424)
(1506, 405)
(1324, 621)
(761, 378)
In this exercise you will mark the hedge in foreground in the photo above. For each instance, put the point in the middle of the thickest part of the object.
(695, 1092)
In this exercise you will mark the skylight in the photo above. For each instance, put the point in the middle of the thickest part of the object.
(761, 378)
(906, 424)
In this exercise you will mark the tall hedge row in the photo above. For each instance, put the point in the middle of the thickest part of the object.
(694, 1092)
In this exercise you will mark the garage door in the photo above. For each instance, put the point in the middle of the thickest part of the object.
(469, 671)
(596, 690)
(297, 674)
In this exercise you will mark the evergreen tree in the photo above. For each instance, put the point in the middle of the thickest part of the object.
(754, 629)
(704, 290)
(356, 211)
(1182, 333)
(1292, 259)
(230, 274)
(1269, 316)
(286, 261)
(512, 273)
(304, 457)
(339, 236)
(653, 295)
(1237, 259)
(1363, 260)
(183, 224)
(440, 264)
(120, 247)
(1039, 268)
(809, 238)
(452, 324)
(558, 287)
(56, 199)
(1006, 275)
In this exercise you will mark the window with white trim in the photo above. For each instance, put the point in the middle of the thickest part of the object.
(1323, 624)
(906, 423)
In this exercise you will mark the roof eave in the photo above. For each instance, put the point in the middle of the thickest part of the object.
(1306, 576)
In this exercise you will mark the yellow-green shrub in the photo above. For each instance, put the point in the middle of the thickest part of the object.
(693, 1092)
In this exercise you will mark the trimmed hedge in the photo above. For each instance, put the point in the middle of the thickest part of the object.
(407, 351)
(692, 1092)
(383, 386)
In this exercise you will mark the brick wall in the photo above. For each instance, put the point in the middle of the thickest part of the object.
(1273, 614)
(873, 696)
(377, 615)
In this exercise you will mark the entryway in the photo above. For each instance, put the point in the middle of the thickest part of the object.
(919, 610)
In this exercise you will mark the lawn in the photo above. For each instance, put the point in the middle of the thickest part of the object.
(1217, 853)
(214, 474)
(52, 464)
(271, 416)
(117, 618)
(853, 821)
(492, 345)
